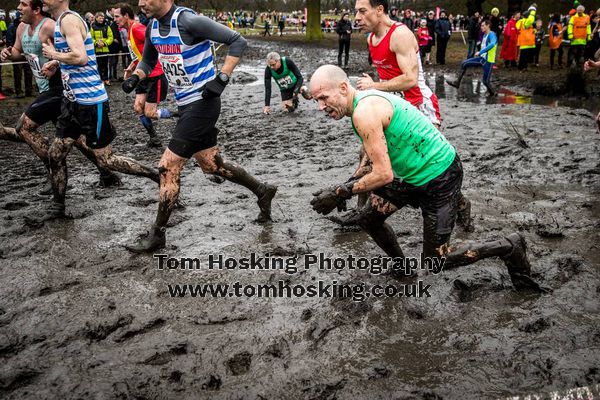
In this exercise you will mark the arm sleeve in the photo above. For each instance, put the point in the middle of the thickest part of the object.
(570, 29)
(267, 86)
(200, 28)
(530, 20)
(149, 56)
(297, 73)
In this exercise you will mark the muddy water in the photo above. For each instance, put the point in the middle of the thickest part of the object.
(80, 317)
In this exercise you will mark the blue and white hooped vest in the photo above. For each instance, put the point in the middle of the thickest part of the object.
(82, 84)
(187, 68)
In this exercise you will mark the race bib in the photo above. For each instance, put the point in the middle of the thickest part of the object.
(286, 81)
(173, 67)
(34, 63)
(67, 91)
(131, 52)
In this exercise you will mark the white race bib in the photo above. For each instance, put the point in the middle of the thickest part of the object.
(34, 63)
(174, 69)
(67, 91)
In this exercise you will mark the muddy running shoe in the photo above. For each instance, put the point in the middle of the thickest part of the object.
(463, 215)
(46, 190)
(109, 179)
(518, 265)
(264, 203)
(351, 218)
(54, 211)
(153, 239)
(154, 141)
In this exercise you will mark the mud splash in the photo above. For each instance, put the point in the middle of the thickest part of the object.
(80, 317)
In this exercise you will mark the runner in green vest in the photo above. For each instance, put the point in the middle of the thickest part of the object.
(287, 77)
(412, 164)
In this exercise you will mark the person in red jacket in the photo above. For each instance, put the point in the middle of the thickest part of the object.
(509, 49)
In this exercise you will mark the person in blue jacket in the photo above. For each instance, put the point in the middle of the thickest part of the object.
(486, 58)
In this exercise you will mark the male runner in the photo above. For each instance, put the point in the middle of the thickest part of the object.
(394, 51)
(486, 58)
(151, 90)
(36, 29)
(413, 164)
(287, 77)
(85, 108)
(180, 40)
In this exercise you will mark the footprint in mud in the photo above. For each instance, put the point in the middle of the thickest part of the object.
(15, 205)
(240, 363)
(164, 357)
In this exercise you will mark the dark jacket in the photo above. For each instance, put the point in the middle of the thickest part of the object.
(342, 29)
(116, 46)
(431, 29)
(11, 32)
(442, 28)
(473, 29)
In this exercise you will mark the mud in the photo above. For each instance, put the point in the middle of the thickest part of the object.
(81, 317)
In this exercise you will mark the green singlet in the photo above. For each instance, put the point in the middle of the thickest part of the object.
(286, 80)
(417, 150)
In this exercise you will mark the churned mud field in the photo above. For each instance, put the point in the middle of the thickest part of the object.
(81, 317)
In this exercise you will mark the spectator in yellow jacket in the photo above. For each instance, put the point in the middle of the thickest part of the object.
(103, 37)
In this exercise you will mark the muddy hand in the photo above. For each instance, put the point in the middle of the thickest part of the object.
(325, 201)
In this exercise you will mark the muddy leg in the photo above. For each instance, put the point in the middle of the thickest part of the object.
(170, 168)
(463, 215)
(107, 177)
(512, 250)
(372, 220)
(27, 130)
(146, 114)
(109, 160)
(57, 154)
(211, 162)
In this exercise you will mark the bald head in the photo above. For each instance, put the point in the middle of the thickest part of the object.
(580, 9)
(329, 85)
(328, 76)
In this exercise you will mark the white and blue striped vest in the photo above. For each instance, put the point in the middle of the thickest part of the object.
(187, 68)
(82, 83)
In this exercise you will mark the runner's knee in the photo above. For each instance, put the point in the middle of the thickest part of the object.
(138, 108)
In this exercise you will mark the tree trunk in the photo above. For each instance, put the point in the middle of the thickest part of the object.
(313, 24)
(514, 5)
(474, 5)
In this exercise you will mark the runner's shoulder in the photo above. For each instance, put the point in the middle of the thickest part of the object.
(371, 110)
